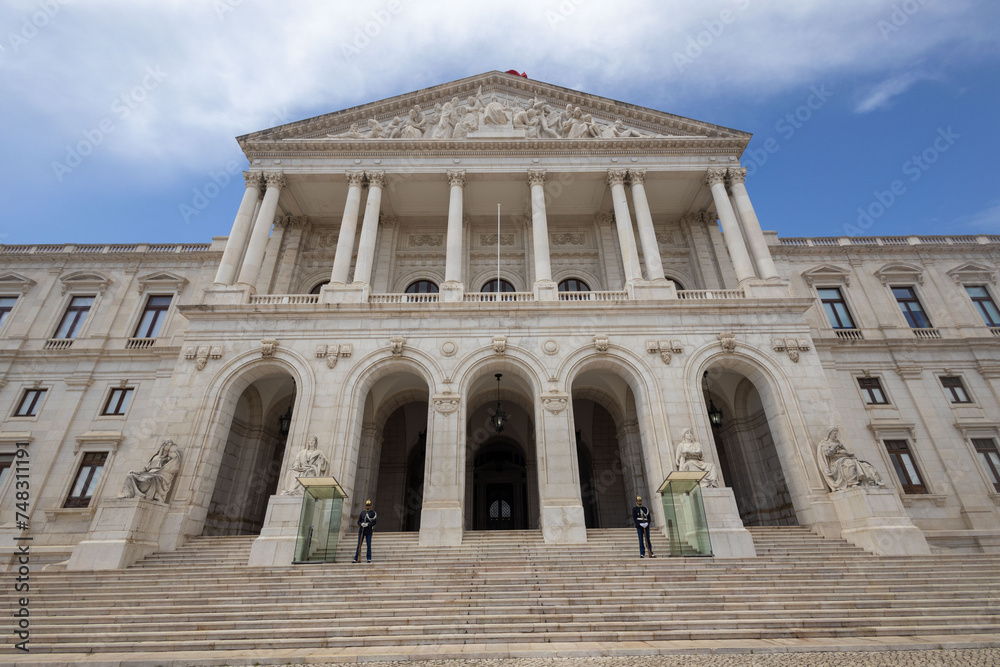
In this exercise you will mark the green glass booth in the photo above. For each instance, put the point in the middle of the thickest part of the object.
(684, 510)
(319, 520)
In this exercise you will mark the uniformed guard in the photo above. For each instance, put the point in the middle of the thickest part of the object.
(366, 522)
(642, 518)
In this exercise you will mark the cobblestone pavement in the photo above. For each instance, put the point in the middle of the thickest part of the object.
(963, 658)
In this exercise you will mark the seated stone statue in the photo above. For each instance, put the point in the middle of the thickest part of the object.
(840, 468)
(691, 458)
(309, 462)
(154, 481)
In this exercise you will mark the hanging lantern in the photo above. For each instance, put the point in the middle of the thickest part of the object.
(499, 418)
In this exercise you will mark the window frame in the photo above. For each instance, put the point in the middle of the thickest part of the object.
(865, 390)
(564, 281)
(71, 501)
(37, 403)
(423, 282)
(842, 300)
(949, 383)
(977, 302)
(128, 394)
(161, 315)
(7, 314)
(81, 325)
(908, 312)
(898, 464)
(503, 283)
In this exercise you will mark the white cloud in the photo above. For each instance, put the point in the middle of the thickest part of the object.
(985, 221)
(881, 95)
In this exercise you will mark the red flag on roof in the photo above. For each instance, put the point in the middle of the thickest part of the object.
(516, 73)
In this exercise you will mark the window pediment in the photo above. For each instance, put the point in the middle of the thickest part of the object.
(901, 272)
(827, 274)
(973, 272)
(163, 280)
(15, 282)
(82, 280)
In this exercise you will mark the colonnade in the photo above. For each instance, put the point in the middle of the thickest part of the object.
(244, 253)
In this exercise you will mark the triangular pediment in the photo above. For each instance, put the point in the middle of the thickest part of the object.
(15, 282)
(494, 108)
(971, 272)
(827, 274)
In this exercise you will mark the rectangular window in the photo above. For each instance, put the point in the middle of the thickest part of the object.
(871, 388)
(76, 313)
(956, 390)
(836, 308)
(984, 304)
(30, 402)
(6, 462)
(908, 302)
(986, 448)
(153, 316)
(118, 401)
(906, 469)
(6, 305)
(86, 479)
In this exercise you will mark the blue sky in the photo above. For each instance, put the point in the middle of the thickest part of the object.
(869, 117)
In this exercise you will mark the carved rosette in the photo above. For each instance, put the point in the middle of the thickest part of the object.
(728, 341)
(637, 176)
(355, 178)
(536, 177)
(601, 344)
(737, 175)
(376, 179)
(555, 401)
(396, 345)
(713, 176)
(456, 178)
(617, 176)
(268, 346)
(446, 403)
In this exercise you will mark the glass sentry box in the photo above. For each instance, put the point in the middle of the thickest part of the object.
(684, 511)
(319, 520)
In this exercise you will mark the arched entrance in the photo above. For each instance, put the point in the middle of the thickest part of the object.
(746, 450)
(249, 473)
(500, 487)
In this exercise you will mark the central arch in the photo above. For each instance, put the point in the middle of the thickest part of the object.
(500, 486)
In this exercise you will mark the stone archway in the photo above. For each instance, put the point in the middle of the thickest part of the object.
(500, 486)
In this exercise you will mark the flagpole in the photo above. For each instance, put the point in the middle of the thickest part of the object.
(498, 253)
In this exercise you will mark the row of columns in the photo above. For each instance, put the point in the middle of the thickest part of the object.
(741, 229)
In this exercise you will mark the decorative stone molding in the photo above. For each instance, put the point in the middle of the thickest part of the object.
(324, 241)
(491, 240)
(617, 176)
(900, 272)
(973, 272)
(396, 345)
(499, 344)
(355, 178)
(202, 353)
(568, 239)
(376, 179)
(445, 403)
(637, 176)
(274, 179)
(555, 401)
(388, 221)
(333, 352)
(268, 346)
(292, 221)
(163, 280)
(550, 347)
(604, 219)
(84, 281)
(666, 349)
(456, 178)
(253, 179)
(601, 343)
(827, 274)
(728, 341)
(430, 240)
(536, 177)
(449, 348)
(108, 440)
(713, 176)
(792, 346)
(15, 282)
(736, 175)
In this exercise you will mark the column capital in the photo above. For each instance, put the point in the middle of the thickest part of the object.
(713, 176)
(376, 179)
(355, 178)
(291, 221)
(274, 179)
(387, 221)
(637, 176)
(617, 176)
(253, 179)
(456, 178)
(604, 219)
(536, 177)
(737, 175)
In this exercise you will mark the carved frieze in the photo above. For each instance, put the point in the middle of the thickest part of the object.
(491, 240)
(429, 240)
(568, 239)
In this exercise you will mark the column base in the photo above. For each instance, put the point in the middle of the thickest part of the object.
(874, 519)
(774, 288)
(123, 531)
(340, 293)
(564, 524)
(730, 538)
(227, 295)
(546, 290)
(440, 526)
(452, 291)
(655, 290)
(275, 546)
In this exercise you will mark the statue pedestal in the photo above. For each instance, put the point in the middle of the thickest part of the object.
(874, 519)
(122, 531)
(730, 538)
(275, 547)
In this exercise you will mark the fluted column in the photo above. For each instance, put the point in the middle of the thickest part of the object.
(348, 227)
(241, 230)
(643, 218)
(755, 237)
(539, 227)
(369, 227)
(630, 257)
(453, 258)
(716, 180)
(262, 228)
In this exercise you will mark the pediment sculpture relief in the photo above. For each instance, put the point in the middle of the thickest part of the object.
(521, 118)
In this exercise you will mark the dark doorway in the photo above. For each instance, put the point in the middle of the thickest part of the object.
(500, 488)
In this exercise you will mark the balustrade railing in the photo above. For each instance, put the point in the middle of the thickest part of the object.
(283, 299)
(693, 294)
(926, 333)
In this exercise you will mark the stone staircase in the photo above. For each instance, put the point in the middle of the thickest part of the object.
(508, 588)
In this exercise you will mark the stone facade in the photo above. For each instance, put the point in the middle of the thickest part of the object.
(357, 295)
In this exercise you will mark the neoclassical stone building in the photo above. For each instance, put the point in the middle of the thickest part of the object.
(388, 262)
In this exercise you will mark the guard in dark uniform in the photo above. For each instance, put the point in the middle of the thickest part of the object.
(642, 518)
(366, 522)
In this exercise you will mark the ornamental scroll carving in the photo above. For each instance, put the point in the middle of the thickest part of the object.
(491, 239)
(396, 345)
(792, 346)
(555, 402)
(601, 344)
(430, 240)
(268, 347)
(445, 403)
(332, 353)
(202, 353)
(568, 239)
